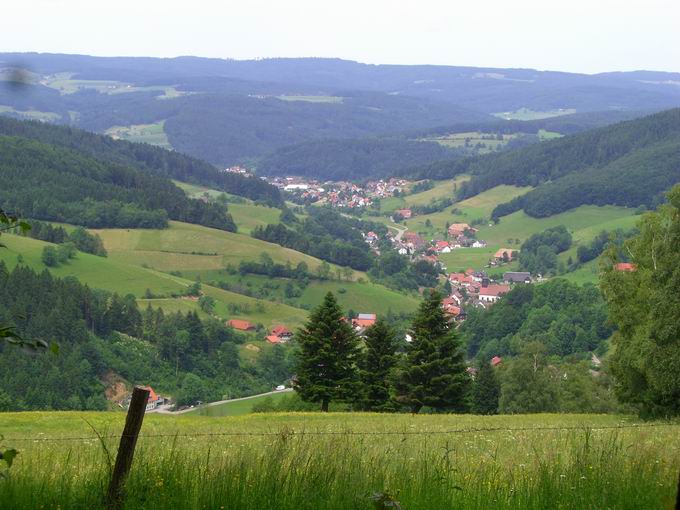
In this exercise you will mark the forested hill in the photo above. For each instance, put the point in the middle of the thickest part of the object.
(143, 157)
(48, 182)
(630, 163)
(351, 159)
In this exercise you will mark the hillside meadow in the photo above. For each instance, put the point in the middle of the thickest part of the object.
(346, 460)
(115, 274)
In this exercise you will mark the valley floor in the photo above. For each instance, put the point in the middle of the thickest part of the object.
(347, 460)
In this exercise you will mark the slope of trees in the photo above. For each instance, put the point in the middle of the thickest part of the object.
(100, 334)
(630, 164)
(350, 159)
(53, 183)
(538, 254)
(566, 318)
(644, 305)
(143, 157)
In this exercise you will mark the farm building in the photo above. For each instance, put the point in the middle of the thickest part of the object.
(240, 325)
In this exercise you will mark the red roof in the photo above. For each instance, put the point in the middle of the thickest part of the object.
(152, 394)
(625, 266)
(441, 244)
(273, 339)
(239, 324)
(364, 323)
(496, 360)
(281, 331)
(509, 252)
(494, 290)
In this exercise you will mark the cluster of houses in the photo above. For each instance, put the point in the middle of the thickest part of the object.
(237, 170)
(341, 194)
(475, 288)
(278, 335)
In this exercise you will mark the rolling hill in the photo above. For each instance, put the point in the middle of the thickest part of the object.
(629, 164)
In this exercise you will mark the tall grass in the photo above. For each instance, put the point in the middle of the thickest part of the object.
(587, 468)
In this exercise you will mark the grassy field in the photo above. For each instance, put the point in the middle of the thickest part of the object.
(359, 296)
(153, 134)
(115, 274)
(65, 84)
(31, 114)
(484, 142)
(312, 99)
(239, 407)
(528, 114)
(441, 189)
(104, 273)
(341, 461)
(171, 249)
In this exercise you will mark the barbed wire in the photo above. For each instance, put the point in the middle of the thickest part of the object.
(288, 432)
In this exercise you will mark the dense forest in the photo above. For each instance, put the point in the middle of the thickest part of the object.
(143, 157)
(631, 163)
(350, 159)
(566, 318)
(327, 235)
(48, 182)
(103, 336)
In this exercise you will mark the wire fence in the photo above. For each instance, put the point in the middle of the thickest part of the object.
(289, 432)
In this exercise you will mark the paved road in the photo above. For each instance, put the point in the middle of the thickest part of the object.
(166, 409)
(400, 231)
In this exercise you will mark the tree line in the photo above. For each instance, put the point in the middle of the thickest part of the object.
(107, 337)
(382, 373)
(48, 182)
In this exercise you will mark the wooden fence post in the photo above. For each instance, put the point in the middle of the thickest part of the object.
(126, 450)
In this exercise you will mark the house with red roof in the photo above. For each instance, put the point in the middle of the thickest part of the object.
(626, 267)
(279, 335)
(404, 213)
(505, 254)
(442, 247)
(496, 360)
(364, 320)
(240, 325)
(459, 229)
(154, 399)
(492, 293)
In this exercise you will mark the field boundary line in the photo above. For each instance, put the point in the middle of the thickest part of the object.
(288, 433)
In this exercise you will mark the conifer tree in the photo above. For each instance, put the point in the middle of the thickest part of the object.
(433, 373)
(328, 353)
(376, 368)
(486, 391)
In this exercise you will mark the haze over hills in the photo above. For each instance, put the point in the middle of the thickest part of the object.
(228, 111)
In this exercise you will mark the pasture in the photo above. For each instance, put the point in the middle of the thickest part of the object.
(482, 143)
(441, 189)
(346, 460)
(185, 247)
(528, 114)
(31, 114)
(312, 99)
(153, 134)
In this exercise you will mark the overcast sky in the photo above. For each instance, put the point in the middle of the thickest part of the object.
(573, 35)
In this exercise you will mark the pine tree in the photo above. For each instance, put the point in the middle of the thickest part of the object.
(486, 391)
(434, 372)
(328, 352)
(376, 367)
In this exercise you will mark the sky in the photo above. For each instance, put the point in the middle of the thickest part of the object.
(585, 36)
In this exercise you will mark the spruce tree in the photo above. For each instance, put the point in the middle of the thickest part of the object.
(486, 391)
(376, 367)
(326, 360)
(434, 372)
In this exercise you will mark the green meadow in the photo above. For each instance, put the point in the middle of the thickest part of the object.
(441, 189)
(31, 114)
(239, 407)
(528, 114)
(484, 142)
(153, 134)
(346, 460)
(184, 246)
(312, 99)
